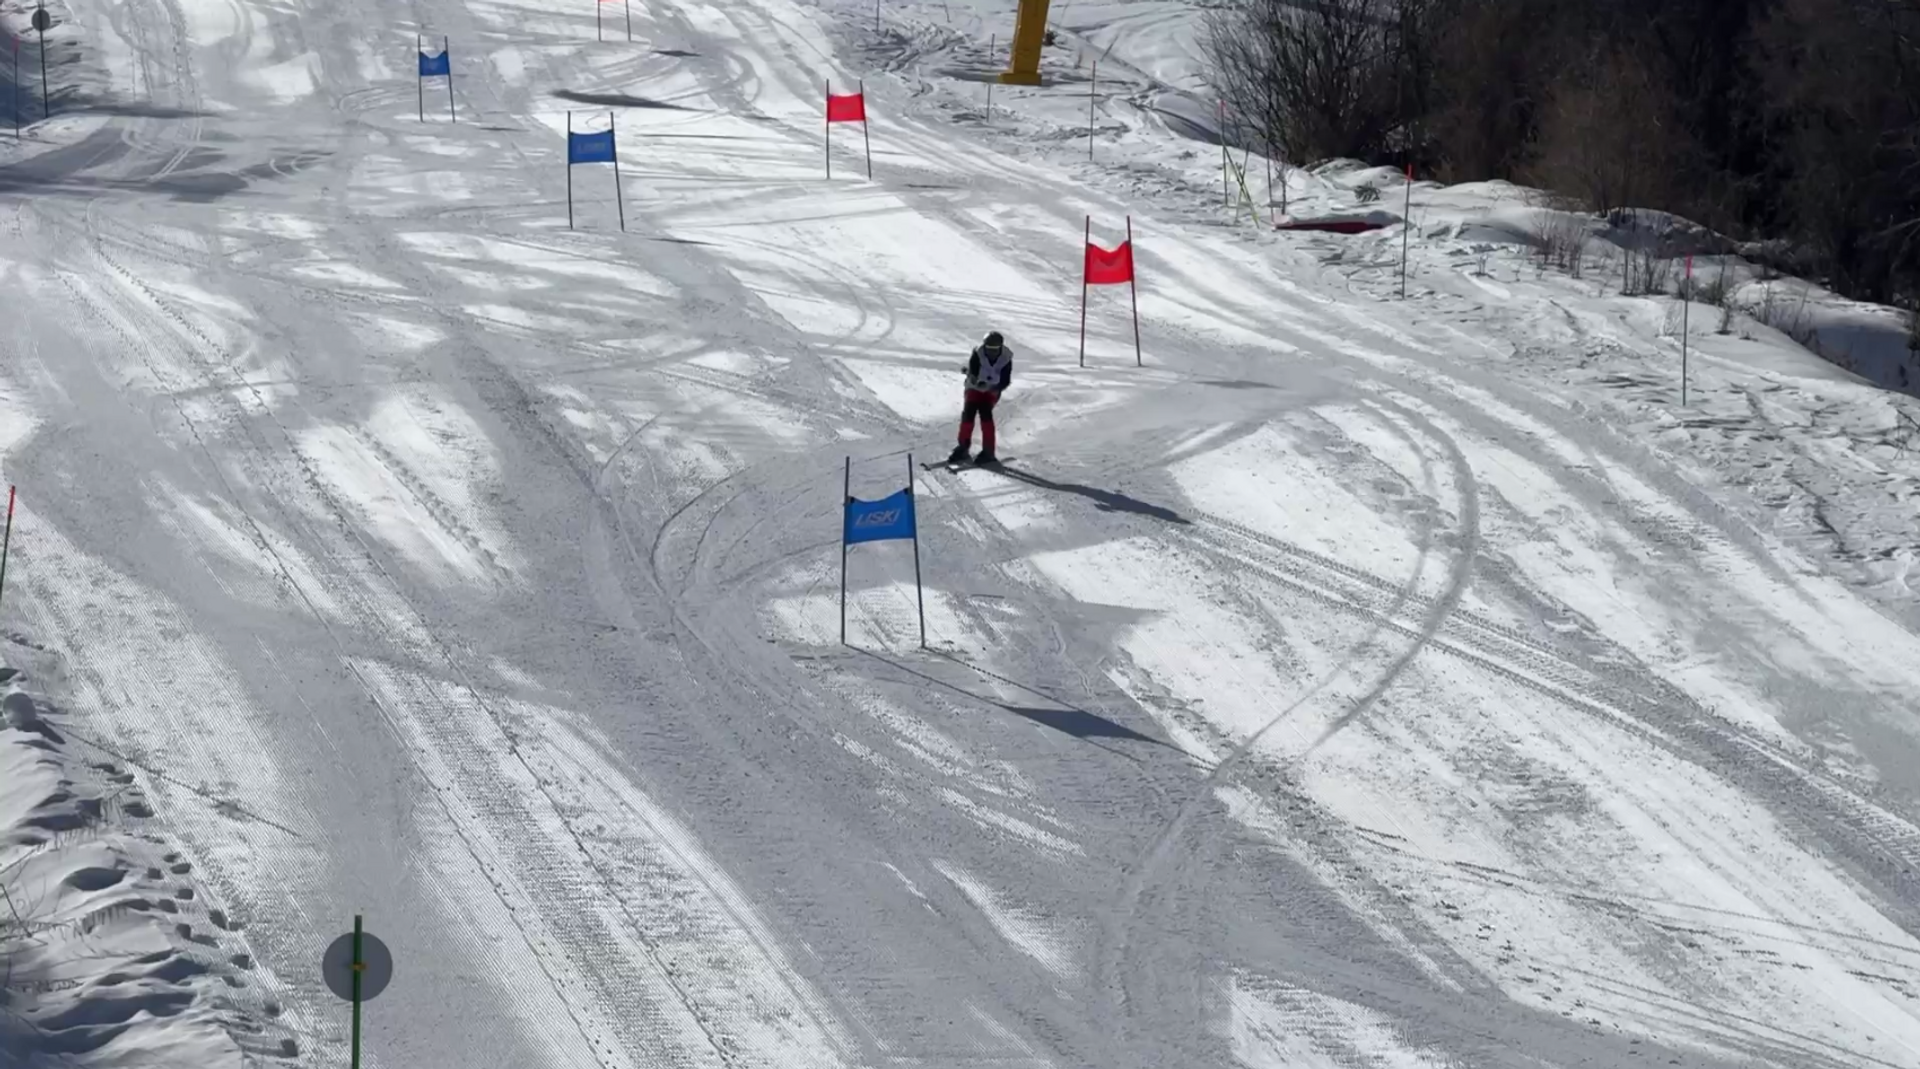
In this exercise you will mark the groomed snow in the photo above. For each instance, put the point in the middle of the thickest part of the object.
(1347, 679)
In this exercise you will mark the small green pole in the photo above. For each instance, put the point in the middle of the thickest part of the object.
(6, 543)
(359, 967)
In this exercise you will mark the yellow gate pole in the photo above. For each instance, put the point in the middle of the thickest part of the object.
(1029, 33)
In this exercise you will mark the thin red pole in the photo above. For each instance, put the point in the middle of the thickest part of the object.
(1086, 241)
(868, 137)
(1133, 292)
(829, 134)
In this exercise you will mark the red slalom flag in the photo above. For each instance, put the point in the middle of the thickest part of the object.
(848, 107)
(1106, 267)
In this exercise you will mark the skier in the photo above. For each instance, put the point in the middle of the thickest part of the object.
(989, 373)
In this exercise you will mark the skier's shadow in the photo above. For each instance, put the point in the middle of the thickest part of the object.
(1104, 500)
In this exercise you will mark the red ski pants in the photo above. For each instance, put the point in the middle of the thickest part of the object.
(979, 403)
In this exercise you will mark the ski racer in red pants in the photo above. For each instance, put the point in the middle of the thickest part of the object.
(989, 373)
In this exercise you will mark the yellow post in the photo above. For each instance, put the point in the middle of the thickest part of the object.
(1029, 33)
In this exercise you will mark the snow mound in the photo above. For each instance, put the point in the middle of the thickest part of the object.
(109, 955)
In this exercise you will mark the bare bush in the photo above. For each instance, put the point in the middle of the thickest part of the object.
(1787, 313)
(1607, 141)
(1316, 80)
(1563, 239)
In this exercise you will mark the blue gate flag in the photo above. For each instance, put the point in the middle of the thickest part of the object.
(877, 521)
(434, 66)
(590, 148)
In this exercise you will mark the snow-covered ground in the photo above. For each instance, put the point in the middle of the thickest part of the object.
(1363, 681)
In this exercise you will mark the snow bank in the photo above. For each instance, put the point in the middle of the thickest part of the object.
(109, 954)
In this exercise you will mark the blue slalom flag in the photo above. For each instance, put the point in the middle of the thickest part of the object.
(590, 148)
(436, 66)
(877, 521)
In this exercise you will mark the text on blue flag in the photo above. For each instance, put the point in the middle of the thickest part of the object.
(877, 521)
(590, 148)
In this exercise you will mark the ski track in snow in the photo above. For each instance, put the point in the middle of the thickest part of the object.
(1359, 683)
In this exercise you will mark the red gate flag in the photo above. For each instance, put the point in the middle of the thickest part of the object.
(1107, 267)
(848, 107)
(1102, 267)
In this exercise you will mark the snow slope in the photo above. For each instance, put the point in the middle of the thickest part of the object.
(1363, 681)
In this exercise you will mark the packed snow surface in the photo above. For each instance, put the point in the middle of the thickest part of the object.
(1354, 679)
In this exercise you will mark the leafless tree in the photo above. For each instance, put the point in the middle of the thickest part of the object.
(1311, 75)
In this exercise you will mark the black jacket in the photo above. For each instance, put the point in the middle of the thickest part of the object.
(981, 372)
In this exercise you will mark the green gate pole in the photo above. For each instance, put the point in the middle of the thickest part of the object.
(359, 967)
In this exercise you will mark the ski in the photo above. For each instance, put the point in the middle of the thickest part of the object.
(949, 465)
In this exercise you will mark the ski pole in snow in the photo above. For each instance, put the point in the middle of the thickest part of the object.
(1226, 189)
(1133, 297)
(1085, 281)
(846, 499)
(1093, 87)
(629, 21)
(1686, 302)
(993, 43)
(919, 595)
(1406, 230)
(619, 195)
(6, 543)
